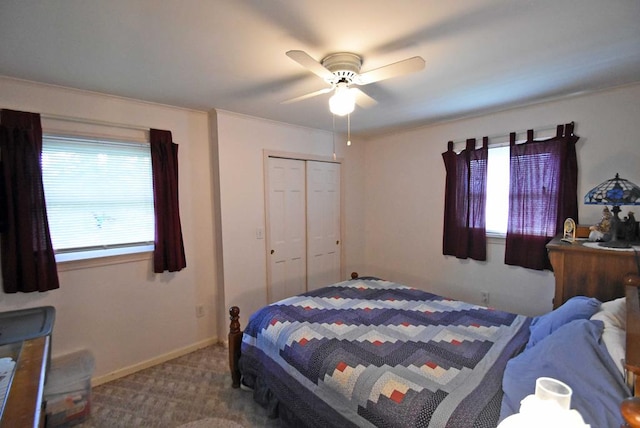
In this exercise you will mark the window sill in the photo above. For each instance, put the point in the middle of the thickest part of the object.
(91, 259)
(496, 238)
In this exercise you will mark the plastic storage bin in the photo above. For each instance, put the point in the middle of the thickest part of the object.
(67, 391)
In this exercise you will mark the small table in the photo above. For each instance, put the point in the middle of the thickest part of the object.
(24, 401)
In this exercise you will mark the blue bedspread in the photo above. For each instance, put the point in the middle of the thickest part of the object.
(575, 355)
(375, 353)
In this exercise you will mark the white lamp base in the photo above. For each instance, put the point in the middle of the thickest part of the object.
(536, 413)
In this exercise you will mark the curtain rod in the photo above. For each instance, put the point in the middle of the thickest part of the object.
(505, 137)
(93, 122)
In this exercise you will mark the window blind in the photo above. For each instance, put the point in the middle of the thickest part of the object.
(99, 193)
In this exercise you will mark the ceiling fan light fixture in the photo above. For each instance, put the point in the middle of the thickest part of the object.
(341, 70)
(343, 101)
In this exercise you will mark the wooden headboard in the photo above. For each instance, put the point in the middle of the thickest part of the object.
(630, 408)
(632, 363)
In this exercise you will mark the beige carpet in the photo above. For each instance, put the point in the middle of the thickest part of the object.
(212, 423)
(193, 391)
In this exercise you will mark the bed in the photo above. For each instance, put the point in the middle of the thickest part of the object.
(368, 352)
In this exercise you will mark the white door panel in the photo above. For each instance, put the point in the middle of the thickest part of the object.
(287, 234)
(323, 224)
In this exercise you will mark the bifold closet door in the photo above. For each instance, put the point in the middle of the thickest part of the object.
(287, 228)
(323, 224)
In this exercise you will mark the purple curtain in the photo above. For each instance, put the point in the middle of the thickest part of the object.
(465, 199)
(28, 260)
(543, 193)
(169, 248)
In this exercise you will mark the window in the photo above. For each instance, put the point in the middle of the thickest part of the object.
(497, 208)
(99, 196)
(498, 188)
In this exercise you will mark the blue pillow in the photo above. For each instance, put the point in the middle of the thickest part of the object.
(567, 354)
(576, 308)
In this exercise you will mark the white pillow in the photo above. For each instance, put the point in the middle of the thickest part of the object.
(617, 311)
(614, 316)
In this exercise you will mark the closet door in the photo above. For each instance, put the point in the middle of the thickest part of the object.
(287, 231)
(323, 224)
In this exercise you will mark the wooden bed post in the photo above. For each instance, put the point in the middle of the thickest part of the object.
(630, 407)
(632, 362)
(235, 340)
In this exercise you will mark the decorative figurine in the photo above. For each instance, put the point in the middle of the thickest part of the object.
(630, 228)
(600, 231)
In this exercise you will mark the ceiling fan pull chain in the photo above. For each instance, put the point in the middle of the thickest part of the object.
(333, 135)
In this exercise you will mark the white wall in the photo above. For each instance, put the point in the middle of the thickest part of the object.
(242, 141)
(393, 203)
(404, 196)
(124, 313)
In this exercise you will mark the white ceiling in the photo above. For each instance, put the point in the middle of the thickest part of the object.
(481, 55)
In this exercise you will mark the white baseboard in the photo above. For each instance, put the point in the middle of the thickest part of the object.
(99, 380)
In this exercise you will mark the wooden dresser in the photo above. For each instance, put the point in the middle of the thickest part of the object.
(581, 269)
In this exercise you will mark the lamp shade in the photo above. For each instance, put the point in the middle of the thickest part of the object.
(343, 101)
(616, 191)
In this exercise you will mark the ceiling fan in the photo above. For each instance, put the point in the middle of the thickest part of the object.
(342, 71)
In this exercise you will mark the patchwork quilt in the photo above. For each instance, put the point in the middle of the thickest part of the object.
(368, 352)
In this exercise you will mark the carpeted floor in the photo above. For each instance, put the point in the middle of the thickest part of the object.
(194, 387)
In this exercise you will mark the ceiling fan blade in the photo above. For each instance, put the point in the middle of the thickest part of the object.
(303, 58)
(306, 96)
(362, 99)
(399, 68)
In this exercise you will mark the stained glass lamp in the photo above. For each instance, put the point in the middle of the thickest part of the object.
(616, 191)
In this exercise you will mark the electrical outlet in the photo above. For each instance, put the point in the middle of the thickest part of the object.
(485, 297)
(199, 311)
